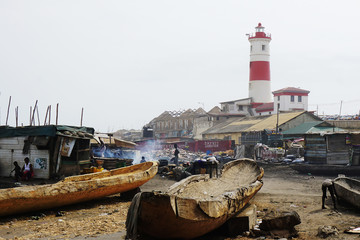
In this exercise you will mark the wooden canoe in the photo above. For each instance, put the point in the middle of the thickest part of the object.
(348, 189)
(75, 189)
(326, 169)
(195, 205)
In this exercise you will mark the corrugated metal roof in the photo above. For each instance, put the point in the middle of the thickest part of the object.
(325, 130)
(220, 127)
(265, 106)
(303, 128)
(236, 100)
(249, 124)
(270, 122)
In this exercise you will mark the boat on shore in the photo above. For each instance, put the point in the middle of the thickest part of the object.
(75, 189)
(196, 205)
(348, 189)
(326, 169)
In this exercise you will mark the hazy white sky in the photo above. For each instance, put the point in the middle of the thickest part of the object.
(126, 62)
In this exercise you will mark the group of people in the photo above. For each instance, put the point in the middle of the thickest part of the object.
(25, 173)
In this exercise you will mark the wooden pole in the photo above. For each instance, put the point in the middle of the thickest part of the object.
(30, 115)
(82, 113)
(340, 109)
(33, 114)
(49, 114)
(57, 113)
(277, 119)
(7, 115)
(17, 115)
(37, 111)
(46, 114)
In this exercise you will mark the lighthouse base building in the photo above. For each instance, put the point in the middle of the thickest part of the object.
(288, 99)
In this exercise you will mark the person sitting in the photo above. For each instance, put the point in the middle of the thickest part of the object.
(17, 170)
(27, 170)
(142, 160)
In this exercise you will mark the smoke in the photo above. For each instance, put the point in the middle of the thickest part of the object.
(152, 150)
(107, 152)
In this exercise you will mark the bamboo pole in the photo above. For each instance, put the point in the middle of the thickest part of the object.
(30, 115)
(7, 115)
(49, 114)
(17, 116)
(38, 116)
(82, 113)
(57, 113)
(46, 114)
(33, 114)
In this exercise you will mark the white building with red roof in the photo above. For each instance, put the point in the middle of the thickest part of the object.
(291, 99)
(288, 99)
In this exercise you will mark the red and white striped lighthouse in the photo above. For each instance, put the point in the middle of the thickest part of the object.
(259, 82)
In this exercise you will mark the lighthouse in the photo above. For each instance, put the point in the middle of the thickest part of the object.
(259, 79)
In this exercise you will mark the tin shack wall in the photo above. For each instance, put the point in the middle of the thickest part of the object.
(11, 149)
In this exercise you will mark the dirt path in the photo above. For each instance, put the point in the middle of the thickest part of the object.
(284, 189)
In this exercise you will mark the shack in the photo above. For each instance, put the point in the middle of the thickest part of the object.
(330, 148)
(324, 143)
(53, 150)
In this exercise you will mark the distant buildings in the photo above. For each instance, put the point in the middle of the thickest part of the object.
(174, 124)
(261, 101)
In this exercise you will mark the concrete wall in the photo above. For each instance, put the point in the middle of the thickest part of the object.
(297, 121)
(223, 136)
(287, 105)
(346, 124)
(201, 124)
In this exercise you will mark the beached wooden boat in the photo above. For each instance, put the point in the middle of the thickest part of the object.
(348, 189)
(326, 169)
(75, 189)
(195, 205)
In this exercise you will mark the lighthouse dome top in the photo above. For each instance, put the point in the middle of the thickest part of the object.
(259, 33)
(259, 28)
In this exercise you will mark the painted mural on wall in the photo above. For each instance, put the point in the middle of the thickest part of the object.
(40, 163)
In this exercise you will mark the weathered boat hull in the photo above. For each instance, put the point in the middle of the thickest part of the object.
(172, 216)
(326, 169)
(75, 189)
(348, 189)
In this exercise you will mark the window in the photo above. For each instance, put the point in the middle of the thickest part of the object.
(299, 99)
(259, 114)
(263, 47)
(240, 108)
(292, 98)
(278, 98)
(269, 113)
(251, 48)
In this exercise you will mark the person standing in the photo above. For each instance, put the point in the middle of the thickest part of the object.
(17, 170)
(328, 184)
(176, 155)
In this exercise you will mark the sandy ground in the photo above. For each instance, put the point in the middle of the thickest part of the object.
(284, 189)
